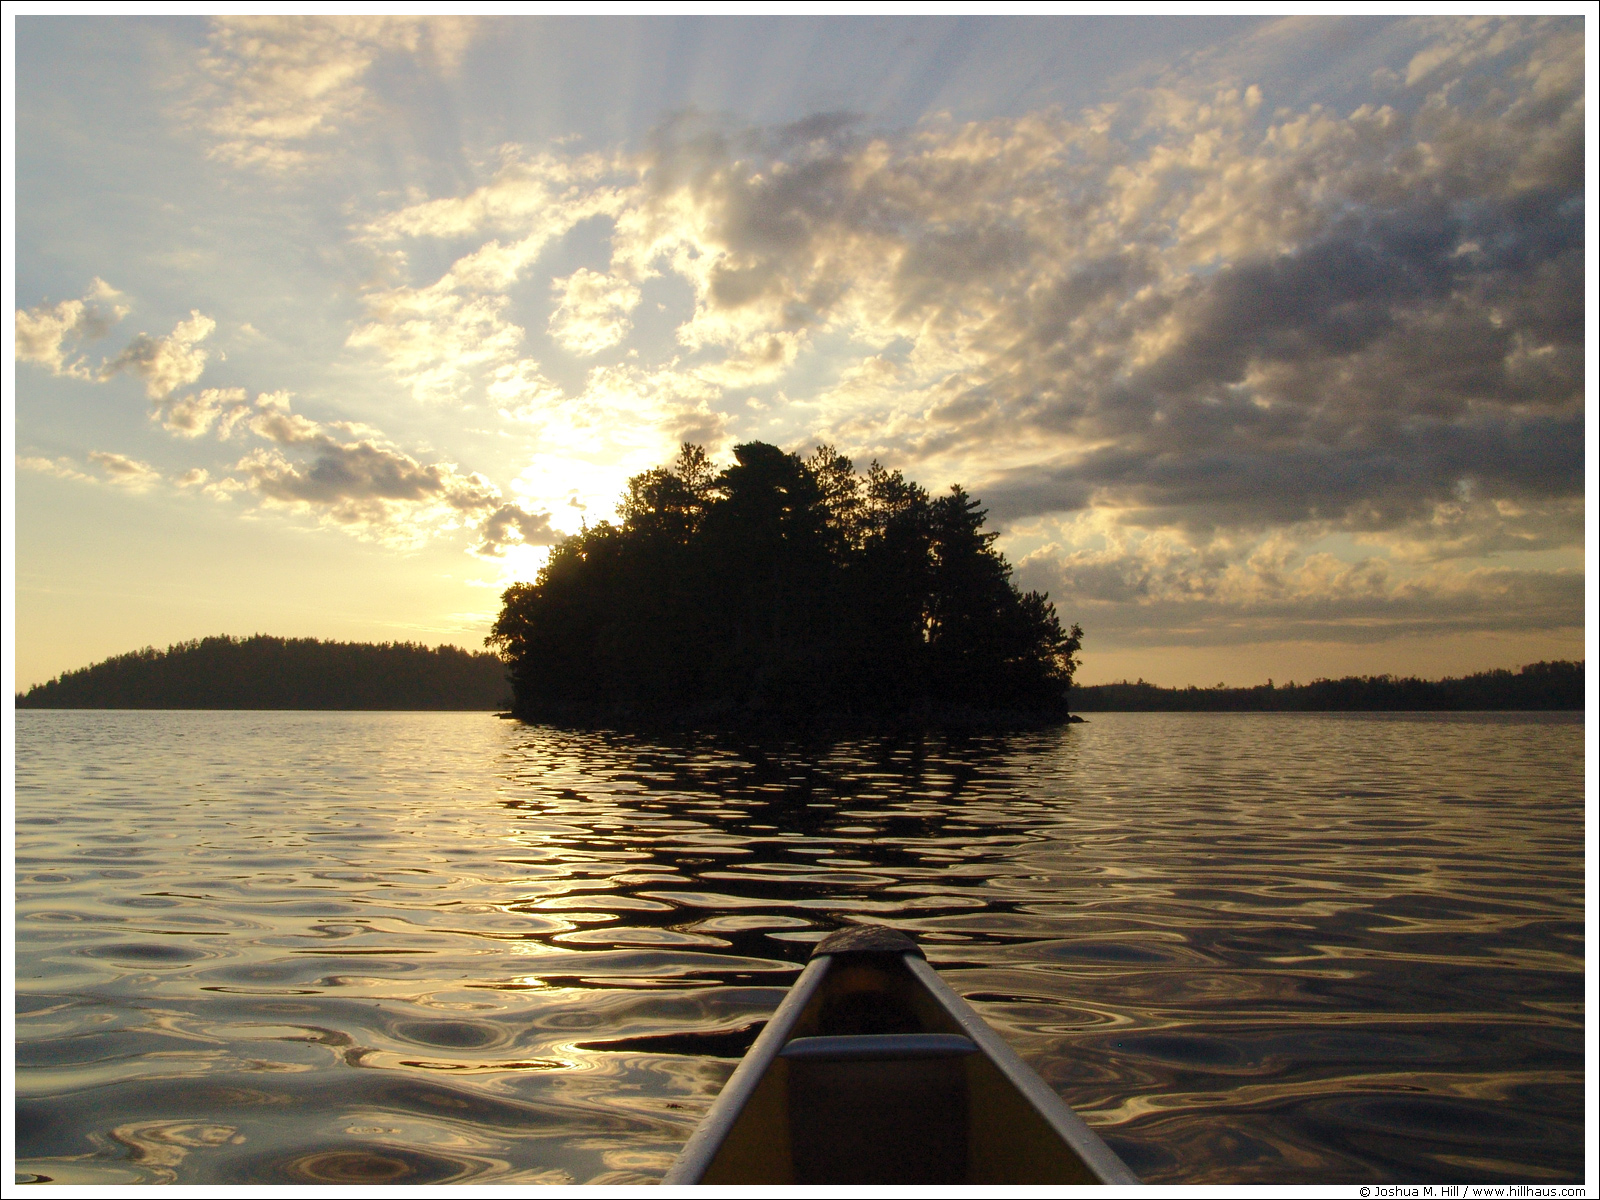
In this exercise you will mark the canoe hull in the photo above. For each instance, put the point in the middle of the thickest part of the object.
(874, 1071)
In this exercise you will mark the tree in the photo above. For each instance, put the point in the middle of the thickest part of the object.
(781, 586)
(842, 501)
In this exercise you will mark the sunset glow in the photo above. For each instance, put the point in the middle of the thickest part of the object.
(1262, 341)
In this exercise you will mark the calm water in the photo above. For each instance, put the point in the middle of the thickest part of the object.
(280, 947)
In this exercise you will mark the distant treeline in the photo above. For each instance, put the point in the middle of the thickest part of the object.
(786, 589)
(274, 672)
(1541, 685)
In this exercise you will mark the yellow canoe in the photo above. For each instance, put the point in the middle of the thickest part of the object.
(873, 1071)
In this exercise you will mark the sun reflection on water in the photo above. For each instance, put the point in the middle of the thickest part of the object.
(441, 947)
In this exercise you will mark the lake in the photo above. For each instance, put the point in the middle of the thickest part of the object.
(259, 947)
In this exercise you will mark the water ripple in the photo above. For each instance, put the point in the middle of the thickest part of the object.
(378, 948)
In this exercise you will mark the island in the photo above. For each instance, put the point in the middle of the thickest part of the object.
(274, 672)
(787, 592)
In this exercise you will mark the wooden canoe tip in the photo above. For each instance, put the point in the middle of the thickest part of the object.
(867, 939)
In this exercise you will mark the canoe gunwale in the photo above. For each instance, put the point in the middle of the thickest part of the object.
(702, 1146)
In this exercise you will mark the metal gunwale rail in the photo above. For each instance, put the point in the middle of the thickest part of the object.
(704, 1143)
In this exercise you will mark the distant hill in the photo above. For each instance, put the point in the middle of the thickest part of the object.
(274, 672)
(1541, 685)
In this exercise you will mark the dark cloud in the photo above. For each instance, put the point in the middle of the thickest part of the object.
(1386, 474)
(1128, 600)
(362, 470)
(1187, 322)
(366, 488)
(532, 529)
(1202, 315)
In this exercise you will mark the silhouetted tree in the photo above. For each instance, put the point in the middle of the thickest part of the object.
(785, 587)
(1541, 685)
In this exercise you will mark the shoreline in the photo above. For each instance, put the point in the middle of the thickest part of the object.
(925, 720)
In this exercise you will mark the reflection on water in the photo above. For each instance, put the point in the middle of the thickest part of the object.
(386, 947)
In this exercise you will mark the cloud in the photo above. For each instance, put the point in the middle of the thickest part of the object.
(1168, 594)
(518, 389)
(117, 469)
(1185, 310)
(272, 91)
(359, 472)
(47, 334)
(1183, 307)
(1460, 44)
(61, 468)
(375, 492)
(365, 487)
(168, 363)
(531, 529)
(274, 422)
(124, 471)
(443, 337)
(1396, 473)
(194, 415)
(1200, 329)
(534, 195)
(435, 339)
(593, 309)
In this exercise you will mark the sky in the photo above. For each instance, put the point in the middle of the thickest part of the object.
(1262, 340)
